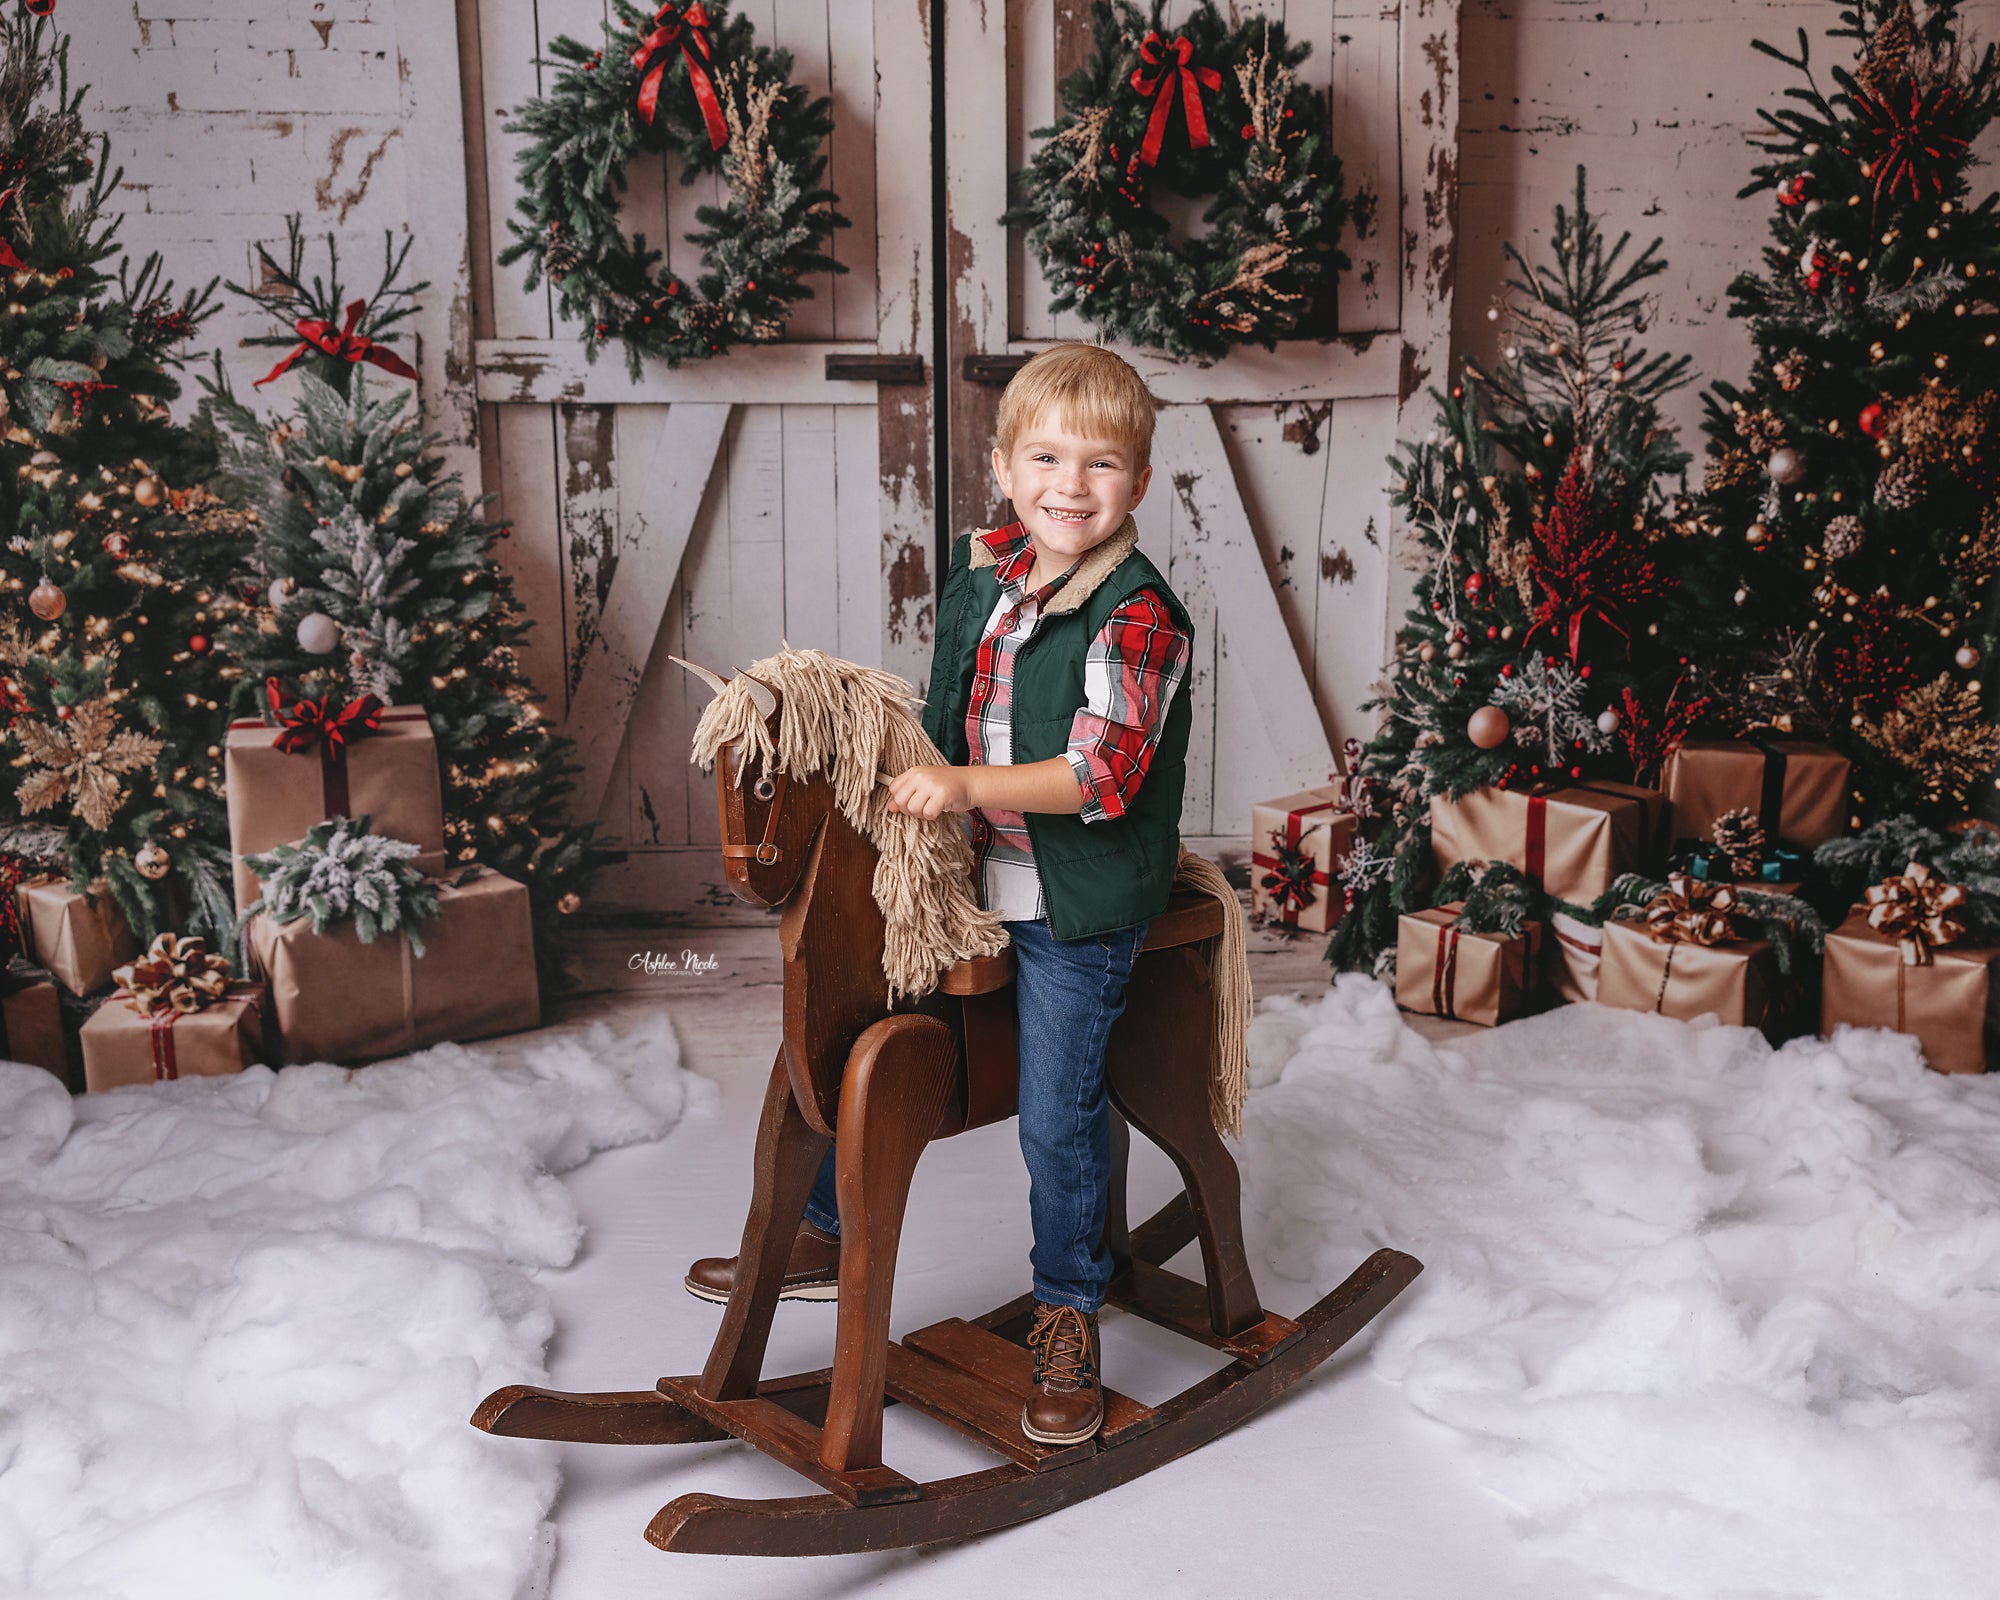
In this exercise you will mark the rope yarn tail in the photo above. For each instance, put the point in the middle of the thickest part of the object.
(1229, 968)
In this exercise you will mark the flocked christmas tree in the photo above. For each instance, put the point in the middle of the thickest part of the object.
(117, 568)
(379, 579)
(1853, 483)
(1548, 560)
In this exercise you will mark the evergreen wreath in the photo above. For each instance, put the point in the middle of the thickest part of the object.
(689, 81)
(1212, 110)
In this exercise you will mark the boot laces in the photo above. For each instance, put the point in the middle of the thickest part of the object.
(1060, 1340)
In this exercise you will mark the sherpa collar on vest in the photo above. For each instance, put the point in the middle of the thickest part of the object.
(1098, 563)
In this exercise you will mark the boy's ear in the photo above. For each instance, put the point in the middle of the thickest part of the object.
(1140, 483)
(1000, 473)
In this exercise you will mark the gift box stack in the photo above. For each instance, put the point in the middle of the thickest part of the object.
(58, 948)
(334, 998)
(1753, 813)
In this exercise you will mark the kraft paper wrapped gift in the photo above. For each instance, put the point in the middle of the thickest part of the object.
(79, 938)
(1571, 841)
(1951, 1005)
(1317, 832)
(124, 1045)
(337, 999)
(1734, 980)
(31, 1027)
(1797, 789)
(275, 795)
(1572, 955)
(1446, 971)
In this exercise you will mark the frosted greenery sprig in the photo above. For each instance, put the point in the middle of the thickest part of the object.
(340, 872)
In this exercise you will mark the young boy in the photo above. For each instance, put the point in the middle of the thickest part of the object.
(1053, 698)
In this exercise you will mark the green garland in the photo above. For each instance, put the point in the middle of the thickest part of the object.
(687, 81)
(1266, 269)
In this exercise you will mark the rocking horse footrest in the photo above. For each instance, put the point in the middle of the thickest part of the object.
(1181, 1304)
(785, 1436)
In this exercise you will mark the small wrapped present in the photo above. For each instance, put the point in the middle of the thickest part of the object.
(1568, 841)
(337, 999)
(1444, 970)
(1683, 957)
(79, 938)
(1796, 789)
(318, 763)
(31, 1027)
(1898, 961)
(176, 1015)
(1297, 845)
(1575, 949)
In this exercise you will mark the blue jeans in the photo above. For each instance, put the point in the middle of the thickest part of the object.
(1067, 994)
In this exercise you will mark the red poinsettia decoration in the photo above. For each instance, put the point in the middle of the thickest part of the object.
(1903, 136)
(1587, 562)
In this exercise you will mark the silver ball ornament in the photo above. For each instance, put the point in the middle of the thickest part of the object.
(319, 634)
(1786, 466)
(1607, 721)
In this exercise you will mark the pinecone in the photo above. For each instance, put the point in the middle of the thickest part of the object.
(1790, 371)
(560, 255)
(1740, 836)
(1900, 486)
(1843, 537)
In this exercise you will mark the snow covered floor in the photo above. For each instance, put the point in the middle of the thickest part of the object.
(1722, 1321)
(243, 1320)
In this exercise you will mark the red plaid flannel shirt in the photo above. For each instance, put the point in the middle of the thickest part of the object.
(1131, 670)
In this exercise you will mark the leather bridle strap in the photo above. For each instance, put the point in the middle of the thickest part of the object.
(765, 851)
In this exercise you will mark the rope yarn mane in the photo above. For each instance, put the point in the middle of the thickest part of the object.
(854, 724)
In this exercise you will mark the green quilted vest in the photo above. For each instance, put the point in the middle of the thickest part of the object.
(1097, 877)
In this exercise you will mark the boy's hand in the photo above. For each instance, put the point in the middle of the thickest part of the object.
(929, 791)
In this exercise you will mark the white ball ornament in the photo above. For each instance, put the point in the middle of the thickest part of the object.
(319, 634)
(281, 591)
(1607, 721)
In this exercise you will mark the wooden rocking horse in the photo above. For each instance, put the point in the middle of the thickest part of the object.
(881, 1083)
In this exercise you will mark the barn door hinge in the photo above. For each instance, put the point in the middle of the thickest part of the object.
(866, 368)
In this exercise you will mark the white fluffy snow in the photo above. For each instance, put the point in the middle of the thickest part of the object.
(243, 1321)
(1724, 1320)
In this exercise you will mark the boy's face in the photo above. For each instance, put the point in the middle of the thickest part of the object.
(1071, 492)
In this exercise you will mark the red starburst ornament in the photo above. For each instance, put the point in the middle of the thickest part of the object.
(1902, 139)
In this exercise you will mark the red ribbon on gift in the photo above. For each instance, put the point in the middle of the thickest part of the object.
(689, 29)
(1444, 972)
(1170, 68)
(1282, 889)
(344, 345)
(314, 724)
(161, 1027)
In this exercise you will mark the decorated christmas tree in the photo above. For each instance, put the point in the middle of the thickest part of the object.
(117, 574)
(1548, 559)
(1853, 483)
(377, 579)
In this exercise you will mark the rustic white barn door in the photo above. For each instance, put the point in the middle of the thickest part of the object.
(713, 511)
(1269, 509)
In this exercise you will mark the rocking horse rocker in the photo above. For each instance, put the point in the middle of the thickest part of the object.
(899, 1029)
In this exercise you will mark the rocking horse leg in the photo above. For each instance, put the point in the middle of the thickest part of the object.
(895, 1093)
(788, 1158)
(1158, 1072)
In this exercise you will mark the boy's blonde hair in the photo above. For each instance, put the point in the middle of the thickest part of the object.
(1091, 390)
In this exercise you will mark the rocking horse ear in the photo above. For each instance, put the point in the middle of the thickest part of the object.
(762, 695)
(713, 680)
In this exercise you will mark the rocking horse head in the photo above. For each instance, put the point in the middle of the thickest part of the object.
(801, 738)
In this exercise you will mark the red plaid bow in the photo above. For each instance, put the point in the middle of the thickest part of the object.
(8, 259)
(310, 723)
(1170, 67)
(345, 345)
(689, 29)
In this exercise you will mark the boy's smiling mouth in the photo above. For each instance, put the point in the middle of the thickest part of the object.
(1061, 514)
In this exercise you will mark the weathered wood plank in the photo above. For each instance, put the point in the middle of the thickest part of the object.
(801, 28)
(1365, 139)
(857, 533)
(652, 534)
(851, 171)
(811, 509)
(508, 46)
(532, 556)
(526, 371)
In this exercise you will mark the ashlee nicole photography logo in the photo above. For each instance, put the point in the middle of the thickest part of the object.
(656, 962)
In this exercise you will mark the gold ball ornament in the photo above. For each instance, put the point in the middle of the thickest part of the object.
(1967, 656)
(152, 862)
(1488, 727)
(47, 601)
(149, 492)
(1756, 534)
(570, 904)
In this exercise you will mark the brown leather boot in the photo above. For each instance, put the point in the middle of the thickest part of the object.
(1066, 1406)
(811, 1273)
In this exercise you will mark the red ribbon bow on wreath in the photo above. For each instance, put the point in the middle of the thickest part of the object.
(8, 259)
(688, 29)
(344, 345)
(1169, 62)
(310, 723)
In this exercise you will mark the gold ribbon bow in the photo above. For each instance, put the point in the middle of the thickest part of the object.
(1918, 912)
(176, 974)
(1689, 911)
